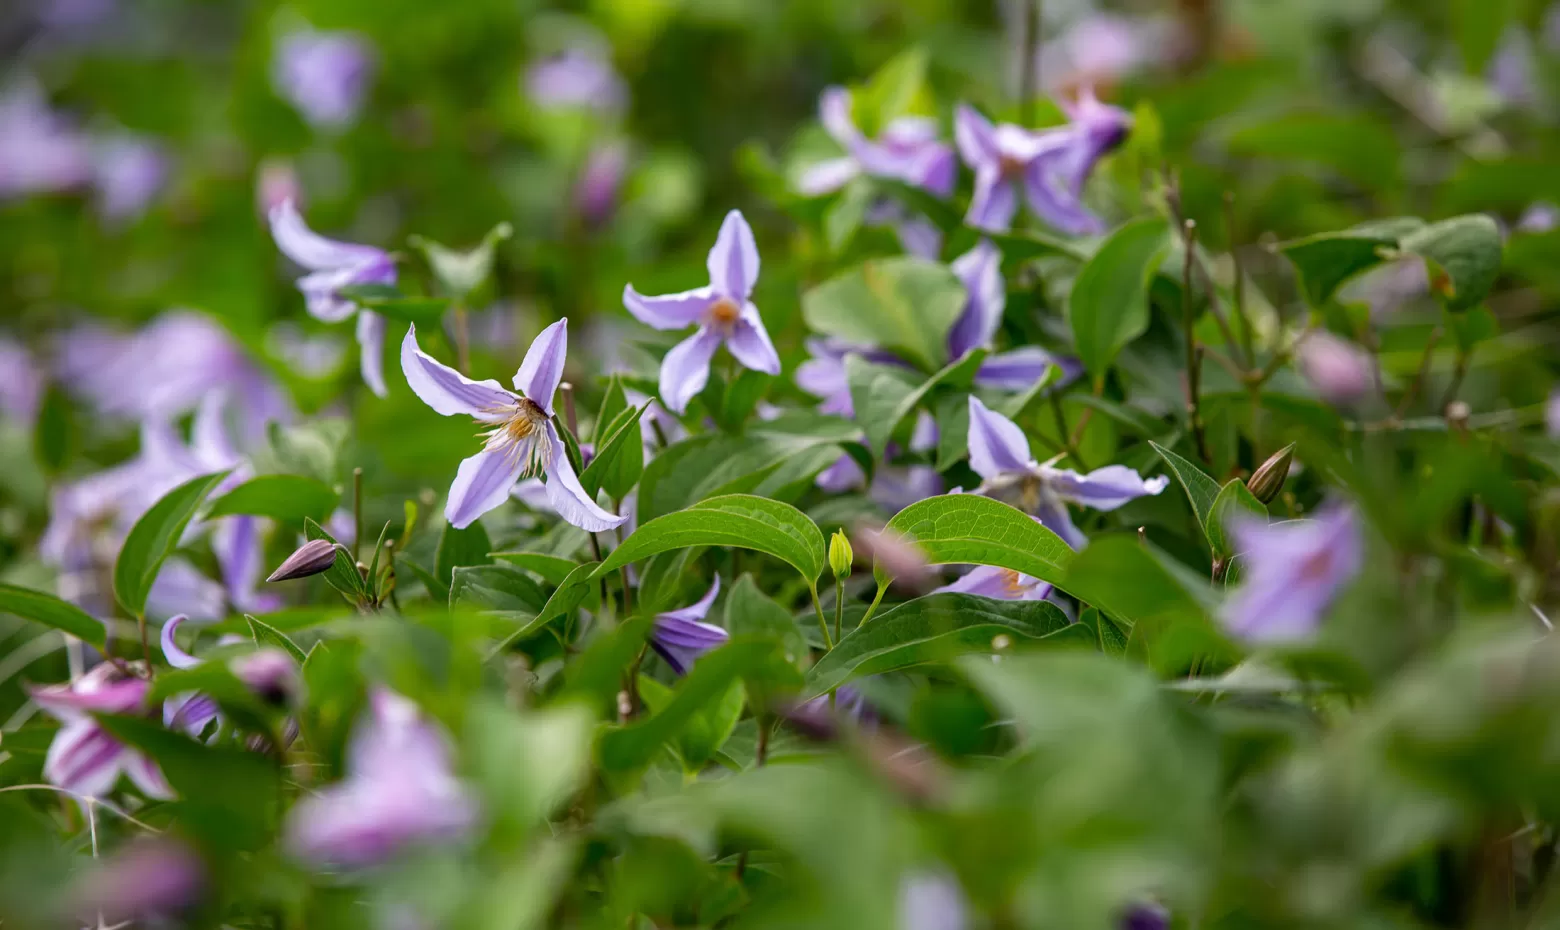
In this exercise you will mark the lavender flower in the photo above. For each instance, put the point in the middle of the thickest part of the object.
(1552, 414)
(1290, 573)
(334, 265)
(146, 880)
(1339, 370)
(932, 901)
(980, 271)
(999, 453)
(128, 171)
(580, 76)
(399, 792)
(39, 151)
(1050, 165)
(1147, 916)
(324, 75)
(681, 636)
(21, 383)
(723, 311)
(522, 443)
(1003, 584)
(1101, 49)
(596, 191)
(84, 758)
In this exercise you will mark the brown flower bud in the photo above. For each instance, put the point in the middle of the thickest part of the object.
(1265, 483)
(312, 557)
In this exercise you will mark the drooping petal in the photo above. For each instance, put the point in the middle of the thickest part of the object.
(996, 443)
(894, 489)
(542, 369)
(84, 759)
(669, 311)
(994, 202)
(1104, 488)
(733, 261)
(920, 237)
(209, 435)
(190, 713)
(823, 376)
(826, 177)
(681, 636)
(976, 138)
(834, 113)
(448, 391)
(1053, 198)
(240, 555)
(371, 340)
(1292, 572)
(320, 295)
(175, 656)
(102, 690)
(980, 271)
(482, 482)
(686, 369)
(308, 248)
(568, 496)
(749, 343)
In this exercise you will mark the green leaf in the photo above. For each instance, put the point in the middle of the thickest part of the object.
(387, 300)
(741, 397)
(1234, 496)
(894, 90)
(1463, 257)
(1108, 305)
(933, 629)
(1359, 148)
(753, 614)
(553, 569)
(1025, 246)
(1132, 581)
(710, 726)
(289, 498)
(1477, 26)
(1200, 489)
(528, 764)
(264, 634)
(51, 611)
(596, 674)
(1325, 261)
(496, 587)
(154, 537)
(969, 529)
(53, 430)
(883, 395)
(740, 520)
(1109, 635)
(713, 464)
(342, 574)
(461, 272)
(620, 459)
(906, 305)
(458, 548)
(568, 595)
(614, 400)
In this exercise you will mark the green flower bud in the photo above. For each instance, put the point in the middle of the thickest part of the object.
(840, 554)
(1265, 483)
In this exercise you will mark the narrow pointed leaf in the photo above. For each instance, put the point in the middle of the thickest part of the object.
(154, 536)
(53, 612)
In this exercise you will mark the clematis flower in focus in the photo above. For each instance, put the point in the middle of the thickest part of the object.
(522, 441)
(324, 75)
(681, 636)
(722, 310)
(400, 791)
(84, 758)
(334, 265)
(999, 453)
(1291, 572)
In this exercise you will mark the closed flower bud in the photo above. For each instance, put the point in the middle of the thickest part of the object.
(312, 557)
(840, 554)
(1268, 479)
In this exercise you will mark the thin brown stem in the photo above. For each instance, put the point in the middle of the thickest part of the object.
(1063, 431)
(462, 339)
(146, 644)
(1193, 353)
(1464, 358)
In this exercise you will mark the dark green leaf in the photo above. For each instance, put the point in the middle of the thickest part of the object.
(752, 613)
(1200, 489)
(264, 634)
(552, 569)
(1233, 497)
(883, 395)
(53, 612)
(289, 498)
(496, 587)
(458, 548)
(620, 459)
(569, 594)
(153, 537)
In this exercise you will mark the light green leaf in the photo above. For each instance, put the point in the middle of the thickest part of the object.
(752, 613)
(620, 458)
(264, 634)
(552, 569)
(969, 529)
(289, 498)
(461, 272)
(739, 520)
(883, 395)
(906, 305)
(388, 301)
(1325, 261)
(709, 728)
(1108, 305)
(710, 465)
(1462, 255)
(933, 629)
(1233, 497)
(529, 763)
(570, 592)
(469, 546)
(154, 537)
(51, 611)
(496, 587)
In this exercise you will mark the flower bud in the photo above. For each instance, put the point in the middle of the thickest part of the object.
(1268, 479)
(840, 554)
(312, 557)
(270, 674)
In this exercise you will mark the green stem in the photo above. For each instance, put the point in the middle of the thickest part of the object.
(823, 625)
(882, 589)
(839, 606)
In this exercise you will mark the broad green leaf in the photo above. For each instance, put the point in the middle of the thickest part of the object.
(524, 887)
(342, 574)
(289, 498)
(1233, 497)
(710, 726)
(596, 674)
(1024, 246)
(1200, 489)
(713, 464)
(496, 587)
(752, 613)
(1477, 26)
(906, 305)
(968, 529)
(883, 395)
(1462, 255)
(264, 634)
(154, 537)
(1108, 305)
(552, 569)
(457, 548)
(53, 612)
(528, 763)
(1325, 261)
(1359, 148)
(896, 89)
(740, 520)
(620, 458)
(933, 629)
(1134, 582)
(387, 300)
(1109, 635)
(614, 400)
(741, 396)
(569, 594)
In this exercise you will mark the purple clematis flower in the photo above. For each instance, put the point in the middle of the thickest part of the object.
(1050, 165)
(150, 879)
(334, 265)
(84, 759)
(21, 383)
(980, 271)
(270, 673)
(1291, 572)
(580, 76)
(681, 636)
(40, 152)
(999, 453)
(128, 171)
(723, 311)
(1339, 370)
(325, 75)
(191, 712)
(400, 791)
(1003, 584)
(601, 179)
(523, 443)
(932, 900)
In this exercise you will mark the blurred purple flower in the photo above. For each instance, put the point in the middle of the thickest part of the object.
(1102, 49)
(1541, 217)
(1051, 165)
(1552, 414)
(83, 758)
(1512, 69)
(148, 879)
(74, 14)
(581, 76)
(522, 443)
(999, 453)
(980, 271)
(334, 265)
(1337, 369)
(723, 311)
(276, 182)
(21, 383)
(1290, 573)
(932, 901)
(1003, 584)
(681, 636)
(1149, 916)
(324, 75)
(596, 191)
(40, 152)
(191, 712)
(128, 171)
(400, 791)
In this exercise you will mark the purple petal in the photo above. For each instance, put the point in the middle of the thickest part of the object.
(1019, 369)
(1337, 369)
(1056, 201)
(996, 443)
(446, 390)
(236, 543)
(209, 438)
(83, 759)
(176, 657)
(180, 588)
(826, 177)
(394, 738)
(976, 139)
(980, 270)
(311, 250)
(823, 376)
(680, 636)
(128, 171)
(360, 823)
(1052, 514)
(568, 496)
(190, 713)
(1002, 584)
(994, 202)
(924, 436)
(148, 879)
(932, 901)
(894, 489)
(733, 262)
(1104, 488)
(843, 475)
(834, 113)
(320, 293)
(325, 75)
(669, 311)
(920, 237)
(371, 340)
(749, 343)
(481, 483)
(686, 369)
(699, 609)
(542, 369)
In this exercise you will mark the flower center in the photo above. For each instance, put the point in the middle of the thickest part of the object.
(1029, 494)
(522, 436)
(1011, 167)
(1013, 582)
(725, 313)
(1317, 565)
